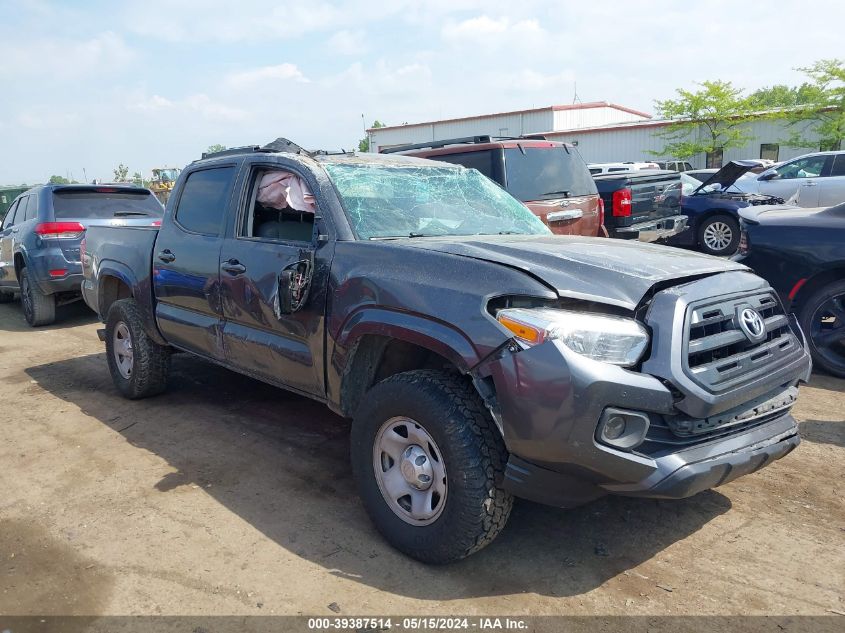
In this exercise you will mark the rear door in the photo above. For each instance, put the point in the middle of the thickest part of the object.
(555, 183)
(832, 188)
(7, 252)
(186, 261)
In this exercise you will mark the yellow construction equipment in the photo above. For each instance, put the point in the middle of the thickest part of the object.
(162, 182)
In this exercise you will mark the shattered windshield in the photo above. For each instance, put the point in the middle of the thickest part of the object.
(384, 201)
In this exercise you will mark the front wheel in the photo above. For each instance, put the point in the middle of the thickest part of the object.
(822, 317)
(428, 461)
(138, 365)
(719, 235)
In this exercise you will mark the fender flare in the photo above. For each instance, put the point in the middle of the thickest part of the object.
(439, 337)
(118, 270)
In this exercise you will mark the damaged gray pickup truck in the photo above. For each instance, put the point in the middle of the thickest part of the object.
(479, 356)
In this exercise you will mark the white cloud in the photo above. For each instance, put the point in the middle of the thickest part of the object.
(349, 42)
(63, 58)
(265, 75)
(197, 104)
(493, 31)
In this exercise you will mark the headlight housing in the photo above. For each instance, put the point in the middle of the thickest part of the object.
(610, 339)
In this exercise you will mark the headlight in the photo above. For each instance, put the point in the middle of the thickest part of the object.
(610, 339)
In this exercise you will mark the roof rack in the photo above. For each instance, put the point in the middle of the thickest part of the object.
(484, 138)
(279, 145)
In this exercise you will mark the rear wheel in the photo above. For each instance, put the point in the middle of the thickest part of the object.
(822, 317)
(38, 308)
(139, 366)
(719, 235)
(429, 461)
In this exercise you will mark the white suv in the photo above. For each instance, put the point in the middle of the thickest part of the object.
(818, 179)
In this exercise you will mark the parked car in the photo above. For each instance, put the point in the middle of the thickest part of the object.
(479, 355)
(712, 207)
(609, 168)
(818, 179)
(801, 253)
(40, 237)
(642, 205)
(549, 177)
(674, 165)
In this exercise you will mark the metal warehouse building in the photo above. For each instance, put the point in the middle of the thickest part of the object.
(603, 132)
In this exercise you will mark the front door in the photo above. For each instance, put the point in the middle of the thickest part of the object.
(799, 177)
(186, 262)
(271, 255)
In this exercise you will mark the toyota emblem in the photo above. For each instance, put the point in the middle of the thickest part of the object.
(752, 325)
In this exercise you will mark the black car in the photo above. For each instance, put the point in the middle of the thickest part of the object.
(479, 356)
(41, 235)
(711, 205)
(801, 253)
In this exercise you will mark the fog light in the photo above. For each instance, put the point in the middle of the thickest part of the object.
(622, 429)
(614, 427)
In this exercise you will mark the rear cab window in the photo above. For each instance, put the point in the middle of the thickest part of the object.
(204, 200)
(104, 203)
(539, 173)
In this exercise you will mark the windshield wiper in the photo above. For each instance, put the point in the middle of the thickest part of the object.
(120, 214)
(564, 193)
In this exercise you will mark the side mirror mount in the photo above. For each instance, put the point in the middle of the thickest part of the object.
(294, 284)
(769, 175)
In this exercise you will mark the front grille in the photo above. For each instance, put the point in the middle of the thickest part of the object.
(719, 354)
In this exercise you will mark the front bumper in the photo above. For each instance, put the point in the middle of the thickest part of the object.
(653, 230)
(550, 401)
(674, 476)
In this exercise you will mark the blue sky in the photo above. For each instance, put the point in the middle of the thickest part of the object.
(87, 85)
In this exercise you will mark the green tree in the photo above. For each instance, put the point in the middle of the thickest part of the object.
(821, 120)
(217, 147)
(58, 180)
(138, 179)
(781, 96)
(364, 143)
(710, 119)
(121, 173)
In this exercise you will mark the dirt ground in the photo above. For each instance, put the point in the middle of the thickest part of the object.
(227, 496)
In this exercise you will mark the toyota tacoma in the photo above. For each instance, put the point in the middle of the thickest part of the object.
(479, 356)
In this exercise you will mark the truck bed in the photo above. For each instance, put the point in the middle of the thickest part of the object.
(655, 195)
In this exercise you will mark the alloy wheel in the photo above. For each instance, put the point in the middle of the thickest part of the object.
(718, 236)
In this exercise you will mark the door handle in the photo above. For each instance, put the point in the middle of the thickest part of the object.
(166, 256)
(233, 267)
(810, 183)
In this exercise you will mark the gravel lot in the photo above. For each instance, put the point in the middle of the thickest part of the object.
(227, 496)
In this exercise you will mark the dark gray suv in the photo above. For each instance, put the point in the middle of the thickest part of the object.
(41, 236)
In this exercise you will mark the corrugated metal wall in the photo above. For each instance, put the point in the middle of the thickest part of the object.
(634, 143)
(591, 117)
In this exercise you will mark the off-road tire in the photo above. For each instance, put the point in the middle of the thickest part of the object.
(807, 310)
(150, 361)
(732, 245)
(476, 507)
(38, 308)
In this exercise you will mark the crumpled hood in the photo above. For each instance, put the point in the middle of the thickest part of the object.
(616, 272)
